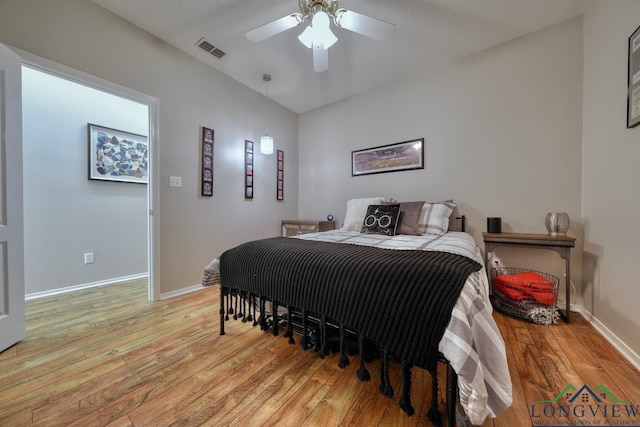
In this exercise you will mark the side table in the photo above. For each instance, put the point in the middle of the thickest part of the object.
(560, 244)
(297, 227)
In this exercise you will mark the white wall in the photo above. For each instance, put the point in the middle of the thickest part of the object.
(81, 35)
(611, 177)
(503, 131)
(65, 214)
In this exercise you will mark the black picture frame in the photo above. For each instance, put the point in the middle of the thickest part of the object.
(206, 173)
(401, 156)
(633, 81)
(248, 169)
(280, 176)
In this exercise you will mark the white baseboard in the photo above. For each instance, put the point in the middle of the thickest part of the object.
(181, 291)
(613, 339)
(69, 289)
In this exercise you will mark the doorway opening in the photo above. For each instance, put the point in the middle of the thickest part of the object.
(81, 232)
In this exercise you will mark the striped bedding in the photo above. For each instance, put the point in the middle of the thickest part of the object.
(472, 342)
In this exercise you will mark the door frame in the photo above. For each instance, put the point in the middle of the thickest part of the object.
(153, 193)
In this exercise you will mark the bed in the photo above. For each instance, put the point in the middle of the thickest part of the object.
(285, 283)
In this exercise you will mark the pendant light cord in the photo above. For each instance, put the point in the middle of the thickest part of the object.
(267, 79)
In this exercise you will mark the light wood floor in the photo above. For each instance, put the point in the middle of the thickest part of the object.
(108, 357)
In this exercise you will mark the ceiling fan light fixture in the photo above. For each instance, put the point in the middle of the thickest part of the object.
(320, 20)
(320, 24)
(319, 31)
(306, 38)
(318, 35)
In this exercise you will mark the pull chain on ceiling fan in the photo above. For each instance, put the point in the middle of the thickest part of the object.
(318, 36)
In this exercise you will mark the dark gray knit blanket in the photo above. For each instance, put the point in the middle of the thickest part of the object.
(399, 299)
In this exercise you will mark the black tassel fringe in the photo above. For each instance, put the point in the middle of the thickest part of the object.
(243, 306)
(323, 351)
(405, 399)
(255, 318)
(434, 415)
(344, 360)
(289, 332)
(274, 311)
(263, 320)
(249, 303)
(235, 313)
(304, 341)
(363, 374)
(385, 384)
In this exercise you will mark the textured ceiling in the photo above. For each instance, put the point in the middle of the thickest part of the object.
(428, 33)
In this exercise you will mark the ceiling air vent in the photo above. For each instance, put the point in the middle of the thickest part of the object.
(205, 45)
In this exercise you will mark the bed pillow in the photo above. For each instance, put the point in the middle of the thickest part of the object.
(408, 222)
(356, 210)
(381, 219)
(434, 218)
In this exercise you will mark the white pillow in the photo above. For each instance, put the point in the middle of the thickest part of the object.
(434, 218)
(356, 211)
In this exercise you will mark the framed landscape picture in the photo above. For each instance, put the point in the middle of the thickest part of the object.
(400, 156)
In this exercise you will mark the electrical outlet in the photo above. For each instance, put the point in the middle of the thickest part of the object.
(88, 258)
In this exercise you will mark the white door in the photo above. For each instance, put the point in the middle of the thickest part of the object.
(12, 317)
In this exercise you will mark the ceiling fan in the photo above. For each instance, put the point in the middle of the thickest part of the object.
(318, 35)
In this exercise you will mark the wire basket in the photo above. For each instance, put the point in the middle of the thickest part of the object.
(526, 294)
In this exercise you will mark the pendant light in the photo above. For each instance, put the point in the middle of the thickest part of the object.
(266, 142)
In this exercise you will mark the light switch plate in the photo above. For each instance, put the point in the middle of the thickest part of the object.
(175, 181)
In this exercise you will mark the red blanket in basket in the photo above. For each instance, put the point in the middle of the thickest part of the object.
(526, 286)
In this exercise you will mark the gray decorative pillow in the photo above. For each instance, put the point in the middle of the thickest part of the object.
(381, 219)
(409, 220)
(434, 218)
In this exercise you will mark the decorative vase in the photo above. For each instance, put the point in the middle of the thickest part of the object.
(557, 223)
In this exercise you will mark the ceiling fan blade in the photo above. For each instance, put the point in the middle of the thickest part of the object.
(265, 31)
(363, 24)
(320, 58)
